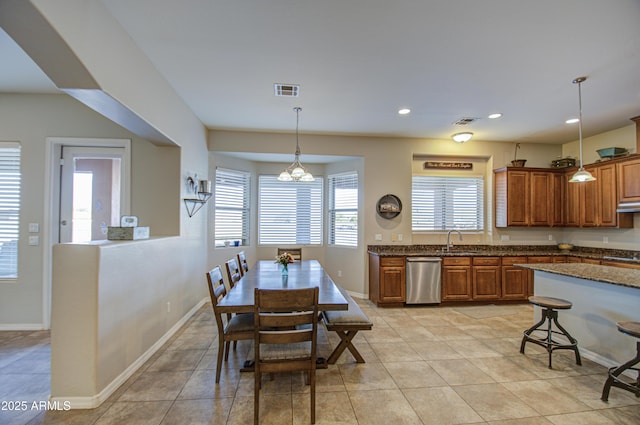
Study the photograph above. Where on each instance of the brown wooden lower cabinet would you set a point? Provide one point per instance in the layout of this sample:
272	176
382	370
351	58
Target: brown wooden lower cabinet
620	264
456	278
486	278
468	278
515	280
387	280
590	261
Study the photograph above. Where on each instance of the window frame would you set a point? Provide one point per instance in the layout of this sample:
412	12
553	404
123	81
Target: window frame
10	203
242	178
447	198
268	214
347	177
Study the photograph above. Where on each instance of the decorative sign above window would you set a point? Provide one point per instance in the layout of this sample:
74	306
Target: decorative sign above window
448	165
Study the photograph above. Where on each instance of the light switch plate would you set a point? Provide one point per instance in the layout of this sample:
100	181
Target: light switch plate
378	236
34	240
34	227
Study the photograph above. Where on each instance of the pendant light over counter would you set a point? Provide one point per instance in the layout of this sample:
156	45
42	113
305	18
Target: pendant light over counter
581	175
296	172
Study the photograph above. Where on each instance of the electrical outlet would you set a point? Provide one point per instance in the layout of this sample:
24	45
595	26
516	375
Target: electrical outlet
378	236
399	236
605	239
168	306
339	273
550	237
504	237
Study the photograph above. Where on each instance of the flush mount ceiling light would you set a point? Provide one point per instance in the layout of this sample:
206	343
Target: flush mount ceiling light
572	121
404	111
581	175
296	172
462	137
494	116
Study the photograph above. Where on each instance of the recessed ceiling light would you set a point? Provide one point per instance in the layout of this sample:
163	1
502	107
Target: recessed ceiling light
494	116
572	121
404	111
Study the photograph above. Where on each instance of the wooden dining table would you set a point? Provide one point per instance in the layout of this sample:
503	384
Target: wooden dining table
268	275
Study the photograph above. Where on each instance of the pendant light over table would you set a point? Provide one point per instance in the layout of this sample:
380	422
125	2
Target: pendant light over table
296	172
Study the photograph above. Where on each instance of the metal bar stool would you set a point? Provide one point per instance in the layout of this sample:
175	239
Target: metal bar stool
549	314
633	329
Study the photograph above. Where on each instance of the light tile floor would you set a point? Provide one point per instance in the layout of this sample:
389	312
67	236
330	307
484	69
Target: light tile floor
424	365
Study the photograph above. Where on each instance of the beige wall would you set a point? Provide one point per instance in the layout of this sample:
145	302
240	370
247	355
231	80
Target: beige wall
30	119
385	166
100	66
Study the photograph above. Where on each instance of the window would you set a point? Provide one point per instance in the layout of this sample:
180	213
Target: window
343	209
9	209
231	207
289	213
441	203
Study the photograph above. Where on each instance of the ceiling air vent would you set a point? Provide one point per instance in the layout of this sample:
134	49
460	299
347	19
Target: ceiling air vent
286	90
465	121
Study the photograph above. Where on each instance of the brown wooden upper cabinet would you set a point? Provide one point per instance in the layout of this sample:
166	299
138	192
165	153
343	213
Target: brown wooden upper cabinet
544	196
598	201
528	197
629	181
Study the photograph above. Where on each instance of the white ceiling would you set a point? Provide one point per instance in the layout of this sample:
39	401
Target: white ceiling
359	61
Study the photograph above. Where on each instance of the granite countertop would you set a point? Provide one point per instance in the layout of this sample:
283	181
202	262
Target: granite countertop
606	274
500	251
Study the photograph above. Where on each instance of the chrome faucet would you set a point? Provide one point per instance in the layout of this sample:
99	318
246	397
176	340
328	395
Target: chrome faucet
449	244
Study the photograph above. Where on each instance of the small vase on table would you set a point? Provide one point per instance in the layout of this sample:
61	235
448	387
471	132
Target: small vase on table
285	270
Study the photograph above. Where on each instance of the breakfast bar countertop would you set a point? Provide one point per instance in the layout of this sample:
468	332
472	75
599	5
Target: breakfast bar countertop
607	274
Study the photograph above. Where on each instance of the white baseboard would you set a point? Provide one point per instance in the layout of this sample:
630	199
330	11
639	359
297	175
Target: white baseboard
22	327
96	400
358	295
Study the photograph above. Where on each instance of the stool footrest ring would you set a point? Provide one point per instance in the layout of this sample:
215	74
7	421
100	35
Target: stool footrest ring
550	316
614	377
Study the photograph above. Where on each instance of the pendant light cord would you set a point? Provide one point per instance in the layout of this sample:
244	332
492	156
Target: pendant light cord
579	80
297	109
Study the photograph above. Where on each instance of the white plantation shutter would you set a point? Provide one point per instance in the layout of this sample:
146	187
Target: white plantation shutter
289	212
442	203
232	190
9	208
343	209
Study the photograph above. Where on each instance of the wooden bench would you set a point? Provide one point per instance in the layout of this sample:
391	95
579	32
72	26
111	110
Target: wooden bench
346	324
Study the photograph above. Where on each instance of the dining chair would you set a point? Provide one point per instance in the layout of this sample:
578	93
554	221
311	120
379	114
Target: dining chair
233	271
296	253
238	327
285	327
242	262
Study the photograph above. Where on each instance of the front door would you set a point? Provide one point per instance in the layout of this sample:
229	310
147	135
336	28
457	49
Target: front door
91	181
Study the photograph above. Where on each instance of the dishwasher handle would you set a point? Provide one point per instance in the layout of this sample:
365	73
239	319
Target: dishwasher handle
424	260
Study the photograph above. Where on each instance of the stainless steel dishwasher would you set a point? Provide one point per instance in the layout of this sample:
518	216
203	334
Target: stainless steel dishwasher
423	280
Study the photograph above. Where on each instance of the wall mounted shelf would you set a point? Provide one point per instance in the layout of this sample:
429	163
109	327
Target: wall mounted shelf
389	206
202	190
194	205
